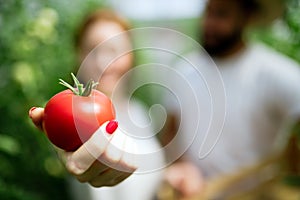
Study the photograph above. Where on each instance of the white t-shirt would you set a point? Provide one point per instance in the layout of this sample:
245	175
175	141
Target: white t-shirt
262	96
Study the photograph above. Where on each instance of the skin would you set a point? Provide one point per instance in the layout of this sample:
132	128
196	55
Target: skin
96	34
223	25
82	164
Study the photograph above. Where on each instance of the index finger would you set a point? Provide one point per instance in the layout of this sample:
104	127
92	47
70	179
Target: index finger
79	161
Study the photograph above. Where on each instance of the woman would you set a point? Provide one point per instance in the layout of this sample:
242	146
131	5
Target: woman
108	63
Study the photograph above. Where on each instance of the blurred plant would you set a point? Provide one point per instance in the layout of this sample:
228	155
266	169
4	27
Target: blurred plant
283	34
36	45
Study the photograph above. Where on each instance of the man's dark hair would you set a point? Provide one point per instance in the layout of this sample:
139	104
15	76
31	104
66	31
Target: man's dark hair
249	6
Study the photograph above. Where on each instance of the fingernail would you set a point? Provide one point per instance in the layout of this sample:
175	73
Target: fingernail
30	111
111	127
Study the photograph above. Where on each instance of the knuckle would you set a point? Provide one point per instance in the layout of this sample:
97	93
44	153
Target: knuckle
96	184
81	180
94	148
109	158
73	168
111	183
128	167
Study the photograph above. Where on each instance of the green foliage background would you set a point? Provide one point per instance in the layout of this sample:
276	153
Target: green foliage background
36	49
283	35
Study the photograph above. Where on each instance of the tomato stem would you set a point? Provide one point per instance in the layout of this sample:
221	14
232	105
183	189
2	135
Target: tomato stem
79	88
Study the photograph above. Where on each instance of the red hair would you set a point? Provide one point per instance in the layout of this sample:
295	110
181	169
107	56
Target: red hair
98	16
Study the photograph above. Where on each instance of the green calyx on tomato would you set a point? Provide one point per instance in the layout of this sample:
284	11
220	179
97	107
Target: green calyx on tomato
79	89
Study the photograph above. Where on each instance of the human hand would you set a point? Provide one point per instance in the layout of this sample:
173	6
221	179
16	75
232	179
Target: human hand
98	161
185	179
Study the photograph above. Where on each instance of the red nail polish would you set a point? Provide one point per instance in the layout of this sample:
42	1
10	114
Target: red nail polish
31	110
111	127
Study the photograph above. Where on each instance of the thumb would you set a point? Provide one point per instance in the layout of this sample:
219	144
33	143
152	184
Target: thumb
36	114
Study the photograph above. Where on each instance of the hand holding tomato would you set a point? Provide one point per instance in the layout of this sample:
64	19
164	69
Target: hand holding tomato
95	158
73	115
186	179
83	163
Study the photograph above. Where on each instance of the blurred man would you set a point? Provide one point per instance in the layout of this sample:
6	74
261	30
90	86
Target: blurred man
262	97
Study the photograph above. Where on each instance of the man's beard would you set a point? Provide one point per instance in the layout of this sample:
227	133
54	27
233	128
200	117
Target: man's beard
222	45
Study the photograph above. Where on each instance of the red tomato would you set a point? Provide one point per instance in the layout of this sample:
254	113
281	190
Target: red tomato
70	119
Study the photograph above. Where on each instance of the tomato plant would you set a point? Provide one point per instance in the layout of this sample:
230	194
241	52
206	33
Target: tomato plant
73	115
